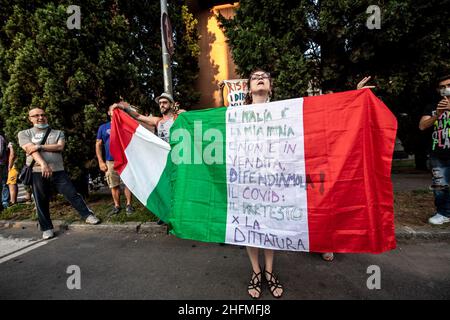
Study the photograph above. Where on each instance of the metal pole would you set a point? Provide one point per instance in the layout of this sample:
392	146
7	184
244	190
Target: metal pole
167	71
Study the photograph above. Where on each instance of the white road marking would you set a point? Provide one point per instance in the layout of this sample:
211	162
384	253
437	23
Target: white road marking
12	248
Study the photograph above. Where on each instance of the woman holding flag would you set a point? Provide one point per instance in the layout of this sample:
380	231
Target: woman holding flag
260	86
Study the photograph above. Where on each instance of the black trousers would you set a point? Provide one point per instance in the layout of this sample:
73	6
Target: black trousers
42	190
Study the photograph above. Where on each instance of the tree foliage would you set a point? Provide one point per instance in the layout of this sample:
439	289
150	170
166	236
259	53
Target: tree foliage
327	43
75	74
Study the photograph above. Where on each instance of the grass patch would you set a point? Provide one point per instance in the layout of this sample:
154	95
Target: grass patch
19	212
422	192
406	163
100	203
413	208
407	166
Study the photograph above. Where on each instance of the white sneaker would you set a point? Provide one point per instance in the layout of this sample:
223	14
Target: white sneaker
438	219
47	234
92	219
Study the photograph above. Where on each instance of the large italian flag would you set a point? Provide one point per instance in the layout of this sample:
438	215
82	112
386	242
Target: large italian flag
307	174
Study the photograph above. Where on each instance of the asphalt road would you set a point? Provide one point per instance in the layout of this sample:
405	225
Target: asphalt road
145	266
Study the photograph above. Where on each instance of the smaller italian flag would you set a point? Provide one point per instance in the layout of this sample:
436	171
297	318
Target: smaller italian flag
306	174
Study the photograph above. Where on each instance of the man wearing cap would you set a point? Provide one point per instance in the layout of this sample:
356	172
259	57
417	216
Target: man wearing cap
162	125
169	113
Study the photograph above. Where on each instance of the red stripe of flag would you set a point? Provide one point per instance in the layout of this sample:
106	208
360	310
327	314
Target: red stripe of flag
349	141
123	128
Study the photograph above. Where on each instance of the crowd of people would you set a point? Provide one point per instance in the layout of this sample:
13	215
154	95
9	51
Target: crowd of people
44	146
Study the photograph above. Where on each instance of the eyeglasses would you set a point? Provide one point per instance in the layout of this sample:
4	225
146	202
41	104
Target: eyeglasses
38	115
263	76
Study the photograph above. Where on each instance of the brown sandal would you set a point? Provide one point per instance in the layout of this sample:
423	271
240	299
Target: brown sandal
273	284
255	284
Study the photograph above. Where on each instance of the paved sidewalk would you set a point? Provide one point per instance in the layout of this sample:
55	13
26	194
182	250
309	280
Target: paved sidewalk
411	181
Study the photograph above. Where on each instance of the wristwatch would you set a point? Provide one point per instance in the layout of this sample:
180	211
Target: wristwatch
39	148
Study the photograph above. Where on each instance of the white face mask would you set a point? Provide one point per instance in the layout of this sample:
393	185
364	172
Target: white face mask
445	92
41	125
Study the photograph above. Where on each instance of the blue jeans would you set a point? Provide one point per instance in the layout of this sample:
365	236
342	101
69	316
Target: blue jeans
4	186
42	190
441	178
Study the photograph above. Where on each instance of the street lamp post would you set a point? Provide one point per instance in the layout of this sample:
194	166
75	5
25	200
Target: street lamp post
165	38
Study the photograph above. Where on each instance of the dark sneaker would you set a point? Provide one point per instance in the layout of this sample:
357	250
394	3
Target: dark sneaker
115	210
130	209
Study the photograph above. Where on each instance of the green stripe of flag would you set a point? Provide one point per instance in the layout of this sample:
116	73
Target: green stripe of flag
199	202
159	200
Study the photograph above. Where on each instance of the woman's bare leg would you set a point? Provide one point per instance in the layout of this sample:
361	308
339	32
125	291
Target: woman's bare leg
268	259
253	254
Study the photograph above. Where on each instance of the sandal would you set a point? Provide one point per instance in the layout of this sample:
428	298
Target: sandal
273	284
255	284
328	256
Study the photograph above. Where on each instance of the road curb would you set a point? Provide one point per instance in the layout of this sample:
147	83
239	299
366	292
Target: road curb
426	233
401	232
135	227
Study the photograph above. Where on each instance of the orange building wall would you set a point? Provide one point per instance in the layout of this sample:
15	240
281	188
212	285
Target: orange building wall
215	59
